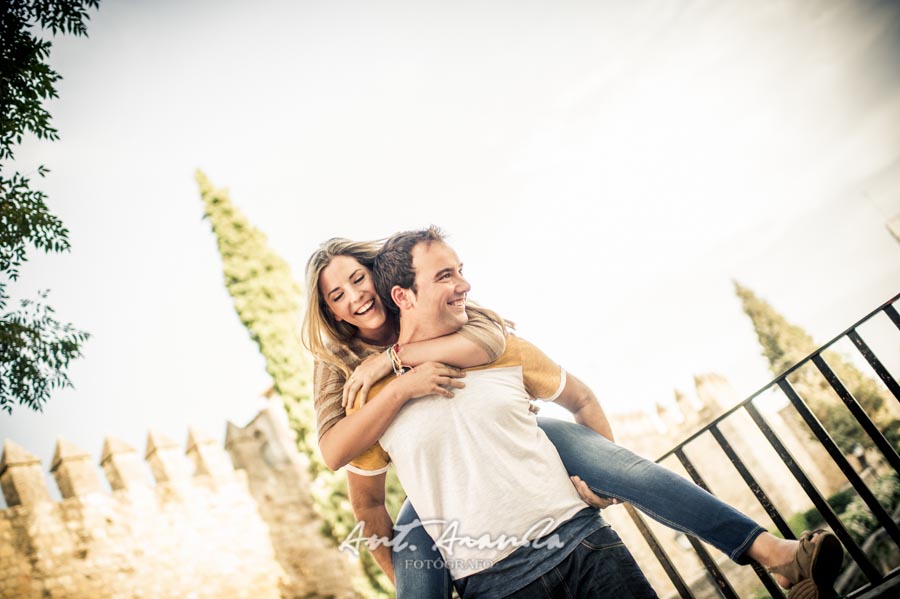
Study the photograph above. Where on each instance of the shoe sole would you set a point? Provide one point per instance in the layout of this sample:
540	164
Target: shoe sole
827	560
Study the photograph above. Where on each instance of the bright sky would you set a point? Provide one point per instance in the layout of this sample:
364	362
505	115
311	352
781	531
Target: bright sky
604	170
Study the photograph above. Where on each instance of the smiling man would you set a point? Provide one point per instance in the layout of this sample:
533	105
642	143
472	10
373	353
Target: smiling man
488	485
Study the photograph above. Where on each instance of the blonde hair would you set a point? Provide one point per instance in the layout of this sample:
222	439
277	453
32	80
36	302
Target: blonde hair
319	322
507	327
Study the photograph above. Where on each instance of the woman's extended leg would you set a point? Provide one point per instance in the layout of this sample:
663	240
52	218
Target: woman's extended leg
614	471
419	571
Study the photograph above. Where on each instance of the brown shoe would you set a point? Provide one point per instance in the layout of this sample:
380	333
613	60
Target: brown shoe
815	566
806	589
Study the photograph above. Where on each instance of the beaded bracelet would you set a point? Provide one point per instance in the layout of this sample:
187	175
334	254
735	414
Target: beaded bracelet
396	363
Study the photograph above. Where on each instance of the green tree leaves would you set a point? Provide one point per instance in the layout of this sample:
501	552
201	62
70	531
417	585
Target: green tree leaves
35	348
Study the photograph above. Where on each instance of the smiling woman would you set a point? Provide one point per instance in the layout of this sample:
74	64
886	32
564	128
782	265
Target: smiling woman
350	294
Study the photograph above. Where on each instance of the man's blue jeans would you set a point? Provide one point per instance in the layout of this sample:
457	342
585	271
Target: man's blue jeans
601	566
609	470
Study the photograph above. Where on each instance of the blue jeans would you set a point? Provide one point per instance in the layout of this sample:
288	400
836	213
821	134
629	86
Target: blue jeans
609	470
601	566
419	571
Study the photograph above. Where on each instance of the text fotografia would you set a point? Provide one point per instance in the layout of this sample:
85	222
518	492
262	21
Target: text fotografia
535	537
440	564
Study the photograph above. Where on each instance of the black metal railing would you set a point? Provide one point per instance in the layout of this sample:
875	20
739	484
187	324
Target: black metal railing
875	579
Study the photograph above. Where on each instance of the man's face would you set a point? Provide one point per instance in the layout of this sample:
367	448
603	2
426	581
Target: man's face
440	296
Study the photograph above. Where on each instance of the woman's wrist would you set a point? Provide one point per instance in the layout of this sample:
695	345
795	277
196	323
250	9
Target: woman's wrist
389	357
376	366
385	364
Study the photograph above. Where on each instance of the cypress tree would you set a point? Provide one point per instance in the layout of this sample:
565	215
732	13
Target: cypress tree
269	302
785	344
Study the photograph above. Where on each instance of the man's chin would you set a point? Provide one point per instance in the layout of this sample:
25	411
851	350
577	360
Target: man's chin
455	323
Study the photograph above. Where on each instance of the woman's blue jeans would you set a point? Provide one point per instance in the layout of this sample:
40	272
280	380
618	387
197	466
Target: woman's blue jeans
611	471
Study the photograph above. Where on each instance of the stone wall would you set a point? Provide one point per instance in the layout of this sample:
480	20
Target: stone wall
202	530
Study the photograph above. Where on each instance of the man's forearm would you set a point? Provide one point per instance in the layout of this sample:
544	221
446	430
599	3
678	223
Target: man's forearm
378	522
581	401
592	416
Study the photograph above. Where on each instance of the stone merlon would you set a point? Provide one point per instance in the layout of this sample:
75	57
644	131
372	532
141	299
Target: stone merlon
122	466
208	458
73	470
21	477
165	459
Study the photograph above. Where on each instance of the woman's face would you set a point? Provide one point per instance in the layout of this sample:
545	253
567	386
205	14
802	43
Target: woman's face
350	294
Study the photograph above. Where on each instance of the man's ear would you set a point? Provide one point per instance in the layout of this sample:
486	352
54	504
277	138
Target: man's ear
404	298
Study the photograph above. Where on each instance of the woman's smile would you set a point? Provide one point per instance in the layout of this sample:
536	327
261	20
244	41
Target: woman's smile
349	293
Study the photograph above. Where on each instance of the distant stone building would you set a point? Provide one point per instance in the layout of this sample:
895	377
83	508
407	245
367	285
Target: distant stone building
204	530
652	434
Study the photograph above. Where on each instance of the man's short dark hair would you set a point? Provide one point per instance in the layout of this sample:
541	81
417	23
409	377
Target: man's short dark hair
393	264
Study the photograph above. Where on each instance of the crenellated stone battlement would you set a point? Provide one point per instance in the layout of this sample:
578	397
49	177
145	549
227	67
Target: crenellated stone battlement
201	462
194	520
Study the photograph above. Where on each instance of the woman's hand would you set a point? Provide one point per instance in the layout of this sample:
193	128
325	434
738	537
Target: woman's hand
370	371
589	497
430	378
